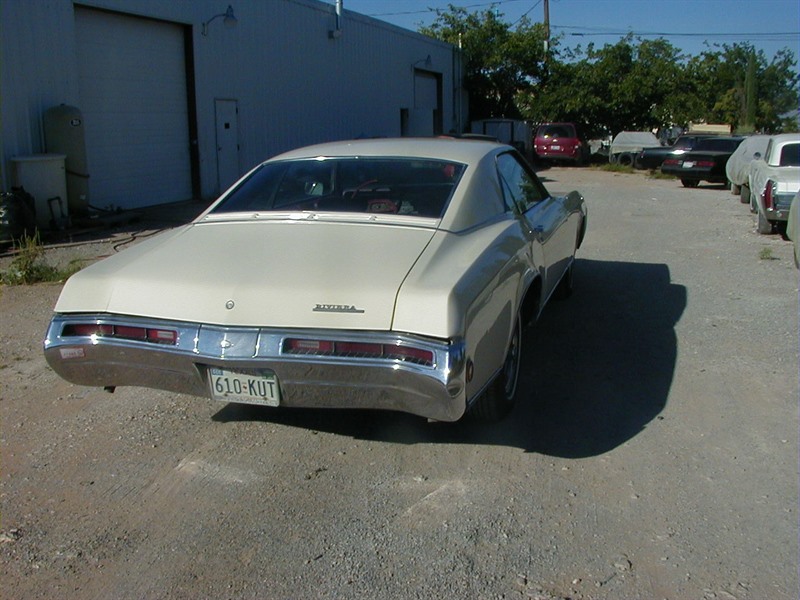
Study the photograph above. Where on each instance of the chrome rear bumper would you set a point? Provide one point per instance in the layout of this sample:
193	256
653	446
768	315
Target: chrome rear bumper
436	392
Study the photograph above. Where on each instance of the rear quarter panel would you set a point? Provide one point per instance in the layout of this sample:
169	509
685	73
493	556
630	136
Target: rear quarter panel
469	285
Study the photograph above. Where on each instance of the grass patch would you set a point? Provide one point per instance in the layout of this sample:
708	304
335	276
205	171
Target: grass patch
657	174
615	168
766	254
29	265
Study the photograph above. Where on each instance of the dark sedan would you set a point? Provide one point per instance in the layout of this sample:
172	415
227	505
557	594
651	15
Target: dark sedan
705	162
652	158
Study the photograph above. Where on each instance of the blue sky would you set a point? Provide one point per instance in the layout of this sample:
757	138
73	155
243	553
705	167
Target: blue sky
769	25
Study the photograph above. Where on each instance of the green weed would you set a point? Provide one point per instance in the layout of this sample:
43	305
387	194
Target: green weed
615	168
29	265
766	254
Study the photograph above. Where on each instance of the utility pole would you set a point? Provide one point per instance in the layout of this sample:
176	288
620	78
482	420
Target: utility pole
546	26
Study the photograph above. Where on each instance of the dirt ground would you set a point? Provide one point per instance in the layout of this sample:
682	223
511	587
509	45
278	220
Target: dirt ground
653	452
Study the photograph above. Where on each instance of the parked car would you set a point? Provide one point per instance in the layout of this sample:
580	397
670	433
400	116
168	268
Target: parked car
626	145
705	162
738	166
773	180
793	227
652	157
383	274
560	142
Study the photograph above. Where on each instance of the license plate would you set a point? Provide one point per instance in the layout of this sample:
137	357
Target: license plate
554	147
688	164
249	386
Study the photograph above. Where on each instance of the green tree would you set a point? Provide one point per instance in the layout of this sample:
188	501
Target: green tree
727	79
632	84
499	62
750	94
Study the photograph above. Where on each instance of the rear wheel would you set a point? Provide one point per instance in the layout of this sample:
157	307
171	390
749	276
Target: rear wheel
690	183
764	226
625	159
744	194
498	399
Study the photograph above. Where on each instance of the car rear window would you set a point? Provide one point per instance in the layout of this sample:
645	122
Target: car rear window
404	186
790	155
556	131
718	144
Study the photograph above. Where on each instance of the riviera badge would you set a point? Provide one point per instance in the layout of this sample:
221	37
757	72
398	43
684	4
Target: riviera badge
337	308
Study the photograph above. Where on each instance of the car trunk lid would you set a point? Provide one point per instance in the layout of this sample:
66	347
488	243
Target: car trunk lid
259	273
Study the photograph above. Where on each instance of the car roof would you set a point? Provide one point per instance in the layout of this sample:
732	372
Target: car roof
786	137
478	197
467	151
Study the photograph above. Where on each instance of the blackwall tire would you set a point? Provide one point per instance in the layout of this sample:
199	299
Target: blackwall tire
498	399
764	225
744	194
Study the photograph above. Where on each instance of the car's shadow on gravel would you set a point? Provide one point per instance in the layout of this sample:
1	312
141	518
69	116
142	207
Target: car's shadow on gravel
596	370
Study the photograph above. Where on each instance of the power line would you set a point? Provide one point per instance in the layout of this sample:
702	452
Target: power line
431	10
604	31
782	36
576	31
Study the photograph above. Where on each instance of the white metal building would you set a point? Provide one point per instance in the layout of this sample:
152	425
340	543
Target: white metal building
178	100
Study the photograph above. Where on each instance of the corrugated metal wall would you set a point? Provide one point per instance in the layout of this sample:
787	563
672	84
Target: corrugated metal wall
294	84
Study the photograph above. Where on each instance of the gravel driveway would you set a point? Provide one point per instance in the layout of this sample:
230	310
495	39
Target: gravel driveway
653	453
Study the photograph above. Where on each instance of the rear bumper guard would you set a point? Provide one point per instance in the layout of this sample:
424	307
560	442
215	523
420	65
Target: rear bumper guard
436	391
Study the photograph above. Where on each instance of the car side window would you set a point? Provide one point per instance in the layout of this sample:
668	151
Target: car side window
790	155
520	187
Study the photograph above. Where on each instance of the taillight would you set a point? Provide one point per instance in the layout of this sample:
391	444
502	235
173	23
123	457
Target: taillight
123	332
358	349
672	161
417	355
87	330
704	163
348	349
308	347
162	336
130	333
769	195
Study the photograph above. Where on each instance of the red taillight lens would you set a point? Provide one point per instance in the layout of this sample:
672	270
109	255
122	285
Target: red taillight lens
162	336
769	195
308	347
359	350
417	355
88	330
125	332
704	163
672	161
130	333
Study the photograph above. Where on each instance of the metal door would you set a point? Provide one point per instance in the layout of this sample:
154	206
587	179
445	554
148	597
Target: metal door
227	123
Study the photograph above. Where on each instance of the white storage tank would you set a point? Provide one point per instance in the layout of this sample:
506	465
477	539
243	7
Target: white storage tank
64	134
44	177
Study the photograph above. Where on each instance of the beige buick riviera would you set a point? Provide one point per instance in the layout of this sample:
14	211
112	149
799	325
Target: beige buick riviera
382	274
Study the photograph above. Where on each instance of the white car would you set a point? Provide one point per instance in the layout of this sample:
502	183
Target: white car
793	228
774	179
384	274
738	166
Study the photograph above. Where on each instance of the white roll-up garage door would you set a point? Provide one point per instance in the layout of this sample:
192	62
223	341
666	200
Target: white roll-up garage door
132	80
